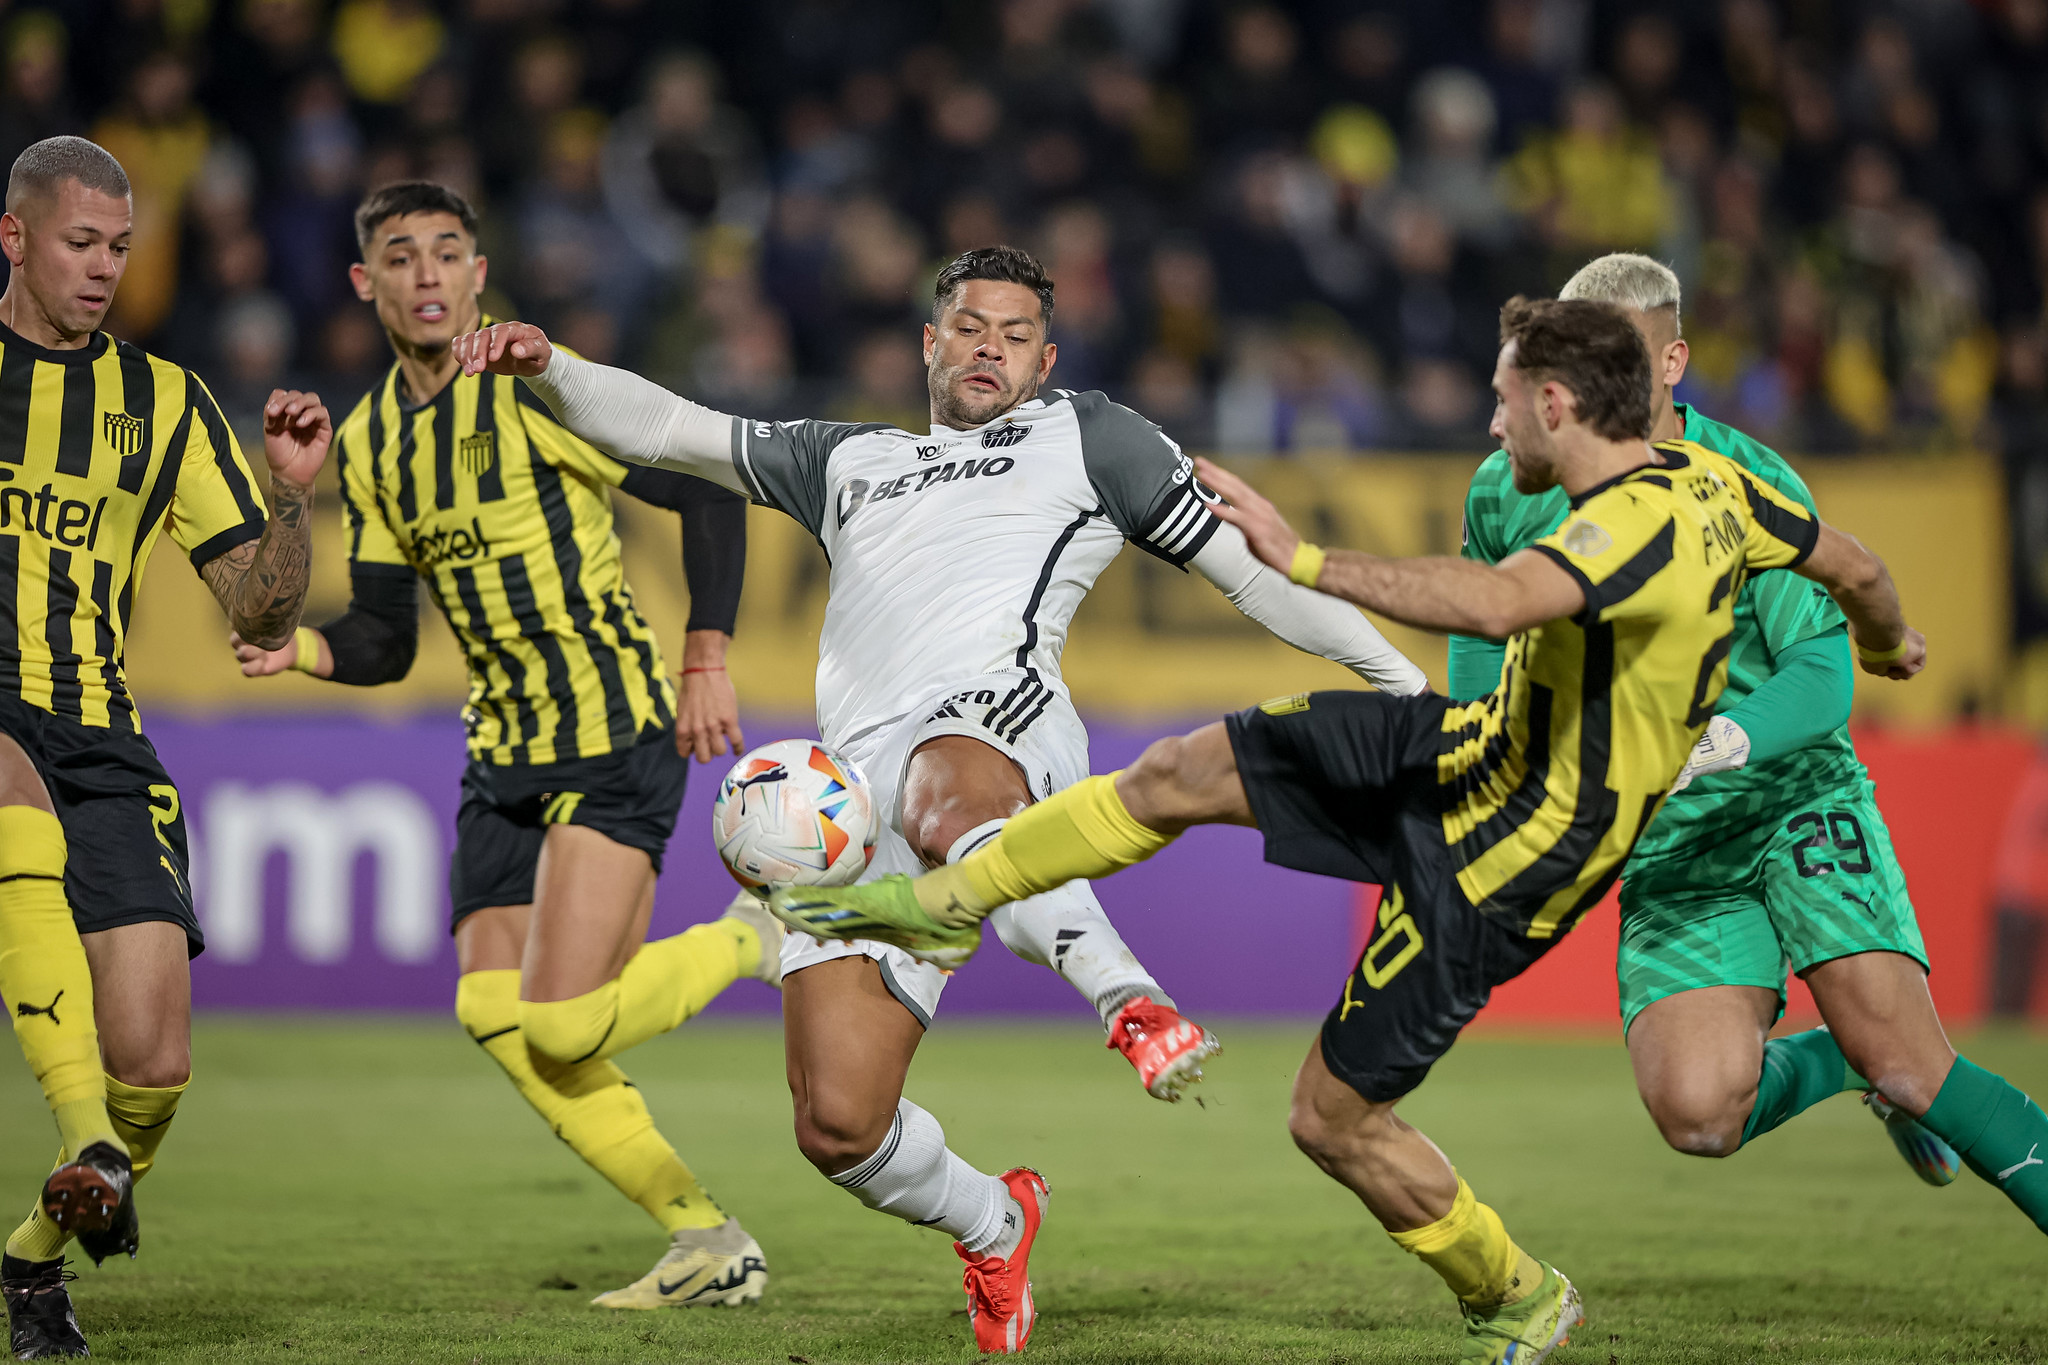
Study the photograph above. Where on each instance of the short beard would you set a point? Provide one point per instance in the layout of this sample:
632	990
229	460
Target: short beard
951	411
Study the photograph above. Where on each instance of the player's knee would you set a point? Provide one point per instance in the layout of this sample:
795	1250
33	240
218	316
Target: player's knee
1699	1121
836	1136
1332	1139
569	1030
1168	782
160	1068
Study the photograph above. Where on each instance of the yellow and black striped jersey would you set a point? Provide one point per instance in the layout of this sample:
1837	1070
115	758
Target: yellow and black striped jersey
1550	780
508	518
101	448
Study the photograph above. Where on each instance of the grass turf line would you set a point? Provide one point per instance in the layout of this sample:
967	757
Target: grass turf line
341	1190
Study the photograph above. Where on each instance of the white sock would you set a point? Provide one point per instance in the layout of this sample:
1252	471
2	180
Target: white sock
1065	929
915	1177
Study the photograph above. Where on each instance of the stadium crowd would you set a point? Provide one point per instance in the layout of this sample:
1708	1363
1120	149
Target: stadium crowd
1272	227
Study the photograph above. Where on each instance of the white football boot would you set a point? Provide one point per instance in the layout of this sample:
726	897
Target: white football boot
750	910
720	1266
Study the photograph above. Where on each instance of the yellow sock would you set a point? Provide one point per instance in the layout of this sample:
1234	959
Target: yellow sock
1471	1249
591	1106
1084	831
37	1239
45	980
142	1116
667	981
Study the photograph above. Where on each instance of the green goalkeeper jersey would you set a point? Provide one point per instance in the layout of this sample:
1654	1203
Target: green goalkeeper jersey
1775	612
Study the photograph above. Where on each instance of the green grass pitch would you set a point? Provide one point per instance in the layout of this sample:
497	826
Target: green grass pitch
350	1191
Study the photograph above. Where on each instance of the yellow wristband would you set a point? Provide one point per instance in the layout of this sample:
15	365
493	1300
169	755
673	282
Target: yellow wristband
1883	656
308	641
1308	564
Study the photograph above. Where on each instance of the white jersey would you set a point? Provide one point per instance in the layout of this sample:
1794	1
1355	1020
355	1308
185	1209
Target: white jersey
963	553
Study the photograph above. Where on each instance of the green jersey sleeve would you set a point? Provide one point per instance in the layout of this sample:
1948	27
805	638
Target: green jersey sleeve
1498	522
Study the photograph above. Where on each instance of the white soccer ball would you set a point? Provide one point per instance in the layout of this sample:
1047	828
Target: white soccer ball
793	813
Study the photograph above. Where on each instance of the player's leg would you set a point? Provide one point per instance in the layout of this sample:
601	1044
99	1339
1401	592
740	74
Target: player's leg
848	1039
587	993
1878	1008
958	793
1697	1057
601	1116
1425	972
44	975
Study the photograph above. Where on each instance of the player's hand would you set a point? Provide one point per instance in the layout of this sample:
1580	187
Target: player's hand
258	662
1723	746
707	708
504	348
1268	533
1906	665
296	434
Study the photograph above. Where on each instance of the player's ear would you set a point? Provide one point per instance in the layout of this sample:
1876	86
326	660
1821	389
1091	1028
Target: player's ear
359	276
1676	356
931	341
13	233
1046	359
483	269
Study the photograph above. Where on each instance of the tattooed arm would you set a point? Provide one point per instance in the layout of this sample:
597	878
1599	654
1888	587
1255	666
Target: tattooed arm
261	584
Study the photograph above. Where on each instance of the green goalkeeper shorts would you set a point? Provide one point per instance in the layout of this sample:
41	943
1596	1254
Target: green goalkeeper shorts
1805	889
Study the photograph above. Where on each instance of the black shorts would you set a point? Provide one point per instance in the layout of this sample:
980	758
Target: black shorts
630	797
1344	784
124	826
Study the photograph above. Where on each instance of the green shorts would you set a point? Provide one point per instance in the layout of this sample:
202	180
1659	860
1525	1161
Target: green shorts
1804	889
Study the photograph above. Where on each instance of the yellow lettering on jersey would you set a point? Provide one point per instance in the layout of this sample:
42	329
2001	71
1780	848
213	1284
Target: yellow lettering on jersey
164	815
1285	706
561	808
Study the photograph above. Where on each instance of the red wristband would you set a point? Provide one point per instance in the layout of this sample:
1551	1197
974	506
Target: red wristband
704	670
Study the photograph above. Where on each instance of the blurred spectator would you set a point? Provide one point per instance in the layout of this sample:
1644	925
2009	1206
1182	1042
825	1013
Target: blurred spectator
255	345
887	383
1087	321
547	81
1259	96
160	138
309	218
680	159
35	103
1259	264
1185	324
384	46
1314	390
878	260
1524	93
573	254
1451	167
1431	309
1441	405
1597	184
1646	64
1367	66
1168	390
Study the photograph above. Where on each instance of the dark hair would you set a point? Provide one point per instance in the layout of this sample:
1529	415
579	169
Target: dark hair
45	165
1593	350
1010	264
403	198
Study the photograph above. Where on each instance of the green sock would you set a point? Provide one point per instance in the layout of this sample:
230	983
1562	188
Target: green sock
1799	1072
2000	1134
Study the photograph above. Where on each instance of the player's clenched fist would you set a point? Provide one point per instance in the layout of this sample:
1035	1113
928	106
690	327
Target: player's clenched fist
1911	659
296	434
505	348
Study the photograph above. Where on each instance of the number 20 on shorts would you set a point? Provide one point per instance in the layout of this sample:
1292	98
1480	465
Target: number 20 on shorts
1394	947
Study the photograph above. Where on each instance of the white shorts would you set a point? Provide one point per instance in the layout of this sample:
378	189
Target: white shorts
1017	713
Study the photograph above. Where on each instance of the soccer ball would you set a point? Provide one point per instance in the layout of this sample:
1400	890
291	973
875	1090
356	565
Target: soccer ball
793	813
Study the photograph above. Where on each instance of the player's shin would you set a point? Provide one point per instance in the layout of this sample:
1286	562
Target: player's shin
591	1106
1470	1248
2000	1133
667	982
1799	1071
1065	929
914	1176
45	980
1083	832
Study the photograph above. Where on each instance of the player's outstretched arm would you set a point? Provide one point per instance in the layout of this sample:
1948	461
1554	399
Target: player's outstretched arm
1435	593
1863	588
613	409
261	584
